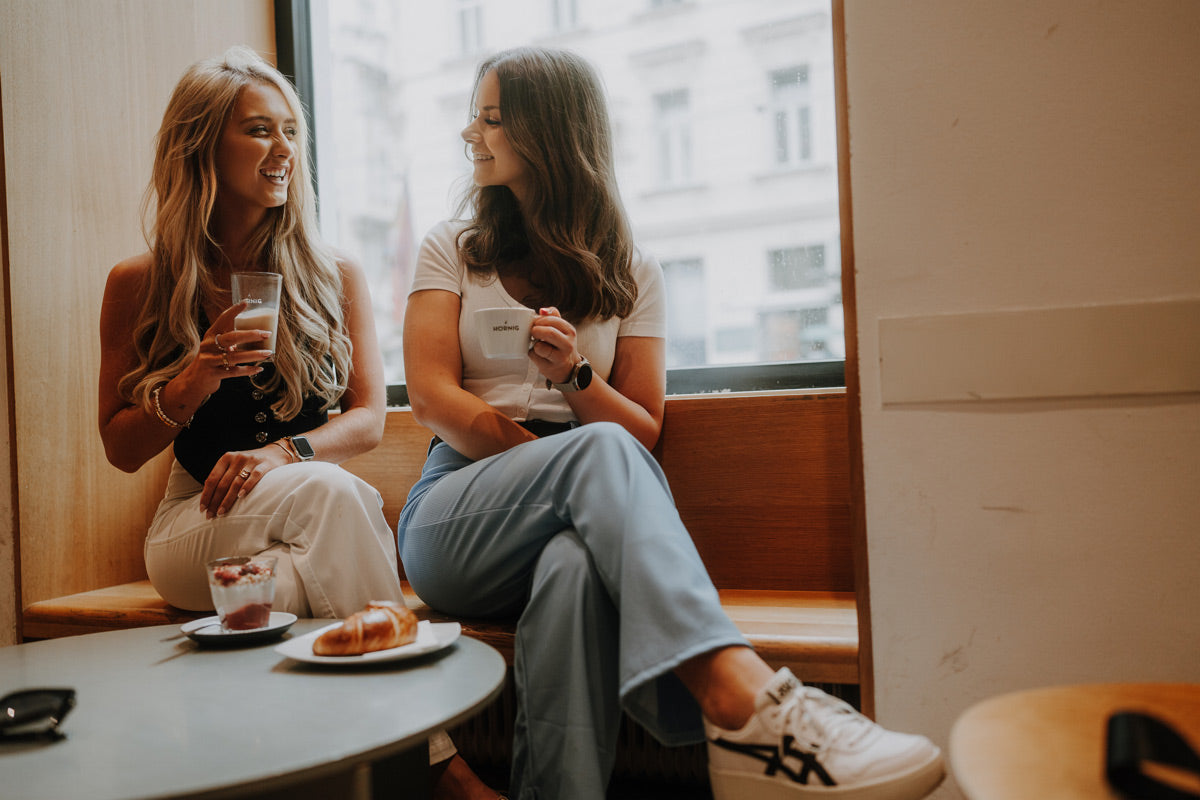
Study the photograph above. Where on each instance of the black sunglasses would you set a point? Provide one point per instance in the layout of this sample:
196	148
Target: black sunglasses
34	713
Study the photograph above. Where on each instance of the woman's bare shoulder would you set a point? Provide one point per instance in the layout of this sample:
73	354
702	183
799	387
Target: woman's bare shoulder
345	261
354	276
125	290
131	272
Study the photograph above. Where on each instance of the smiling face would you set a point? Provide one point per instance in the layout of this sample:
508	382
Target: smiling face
496	163
256	153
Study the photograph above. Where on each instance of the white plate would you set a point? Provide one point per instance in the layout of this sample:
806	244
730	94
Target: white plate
431	636
208	630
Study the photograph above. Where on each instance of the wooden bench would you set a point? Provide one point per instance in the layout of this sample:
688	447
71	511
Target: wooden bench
813	633
760	480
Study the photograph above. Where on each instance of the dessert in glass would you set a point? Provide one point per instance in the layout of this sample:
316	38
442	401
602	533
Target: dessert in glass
243	588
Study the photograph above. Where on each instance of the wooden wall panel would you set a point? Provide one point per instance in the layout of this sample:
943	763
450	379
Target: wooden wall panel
84	86
761	481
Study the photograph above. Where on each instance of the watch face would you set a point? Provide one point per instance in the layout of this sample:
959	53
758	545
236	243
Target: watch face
303	448
583	377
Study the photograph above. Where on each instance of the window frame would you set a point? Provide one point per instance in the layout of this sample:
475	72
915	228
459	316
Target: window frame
294	58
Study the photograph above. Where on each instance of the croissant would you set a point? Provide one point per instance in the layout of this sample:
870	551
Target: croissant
381	625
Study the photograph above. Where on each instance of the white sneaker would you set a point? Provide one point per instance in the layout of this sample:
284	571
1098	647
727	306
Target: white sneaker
802	743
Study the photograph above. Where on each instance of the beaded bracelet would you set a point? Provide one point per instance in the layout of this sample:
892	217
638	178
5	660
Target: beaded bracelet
170	423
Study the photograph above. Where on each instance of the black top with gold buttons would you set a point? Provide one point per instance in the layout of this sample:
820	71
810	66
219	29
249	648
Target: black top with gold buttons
238	416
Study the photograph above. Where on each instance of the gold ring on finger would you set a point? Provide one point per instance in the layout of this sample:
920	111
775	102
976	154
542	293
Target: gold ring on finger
225	362
244	474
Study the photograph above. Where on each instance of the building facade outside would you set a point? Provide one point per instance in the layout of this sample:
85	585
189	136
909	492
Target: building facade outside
724	124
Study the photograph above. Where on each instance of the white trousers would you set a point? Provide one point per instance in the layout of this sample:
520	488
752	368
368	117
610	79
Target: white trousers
325	526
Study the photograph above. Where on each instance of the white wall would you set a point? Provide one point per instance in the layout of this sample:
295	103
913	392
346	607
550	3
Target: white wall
1008	156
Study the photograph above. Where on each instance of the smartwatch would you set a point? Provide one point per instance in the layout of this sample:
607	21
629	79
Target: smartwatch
580	378
303	449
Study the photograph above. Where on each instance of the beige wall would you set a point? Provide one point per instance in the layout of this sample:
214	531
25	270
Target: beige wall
1013	156
8	495
84	85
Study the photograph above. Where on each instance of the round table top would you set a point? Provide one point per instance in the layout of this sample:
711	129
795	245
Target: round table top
1051	742
158	715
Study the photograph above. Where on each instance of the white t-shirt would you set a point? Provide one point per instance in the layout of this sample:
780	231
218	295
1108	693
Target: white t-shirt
514	386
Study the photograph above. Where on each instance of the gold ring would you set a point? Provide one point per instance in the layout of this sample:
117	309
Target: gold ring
217	342
244	474
225	361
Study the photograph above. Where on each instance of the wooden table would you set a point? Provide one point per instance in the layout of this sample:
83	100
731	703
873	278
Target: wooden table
1050	743
160	716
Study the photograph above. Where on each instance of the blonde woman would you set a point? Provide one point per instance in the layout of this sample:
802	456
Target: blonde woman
254	445
255	448
539	496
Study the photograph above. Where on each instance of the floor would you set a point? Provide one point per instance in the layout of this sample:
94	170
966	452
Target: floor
625	788
681	773
652	791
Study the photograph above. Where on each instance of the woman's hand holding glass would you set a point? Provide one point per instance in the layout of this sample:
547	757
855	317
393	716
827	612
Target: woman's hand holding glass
228	353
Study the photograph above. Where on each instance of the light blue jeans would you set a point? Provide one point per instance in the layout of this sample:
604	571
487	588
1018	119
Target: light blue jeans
578	533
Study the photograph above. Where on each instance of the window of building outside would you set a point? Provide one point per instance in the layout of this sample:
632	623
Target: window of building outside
470	26
687	325
674	135
724	129
563	15
791	108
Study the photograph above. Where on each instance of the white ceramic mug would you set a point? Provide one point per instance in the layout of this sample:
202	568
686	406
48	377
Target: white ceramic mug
504	332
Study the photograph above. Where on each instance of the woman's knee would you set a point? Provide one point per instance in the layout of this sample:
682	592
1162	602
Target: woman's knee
320	478
606	442
606	432
608	448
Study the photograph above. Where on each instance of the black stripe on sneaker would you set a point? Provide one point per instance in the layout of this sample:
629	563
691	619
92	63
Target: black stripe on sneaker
774	757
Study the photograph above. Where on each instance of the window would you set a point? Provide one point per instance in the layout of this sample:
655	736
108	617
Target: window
795	334
673	135
687	324
708	102
797	268
803	317
470	26
564	15
792	114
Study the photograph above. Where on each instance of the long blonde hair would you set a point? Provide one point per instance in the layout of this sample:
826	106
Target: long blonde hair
313	352
573	229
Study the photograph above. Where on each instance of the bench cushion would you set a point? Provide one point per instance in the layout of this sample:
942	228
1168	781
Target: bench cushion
128	605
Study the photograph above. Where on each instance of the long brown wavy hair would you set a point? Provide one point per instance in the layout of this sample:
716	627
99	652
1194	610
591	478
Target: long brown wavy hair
313	352
573	232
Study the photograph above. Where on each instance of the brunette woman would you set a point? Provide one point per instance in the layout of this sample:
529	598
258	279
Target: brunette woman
539	496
